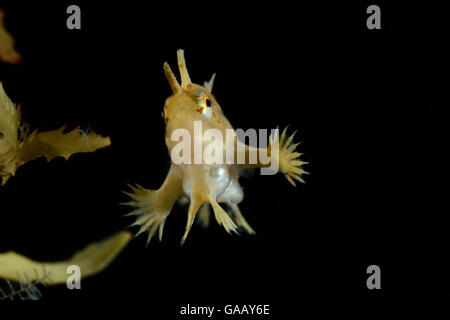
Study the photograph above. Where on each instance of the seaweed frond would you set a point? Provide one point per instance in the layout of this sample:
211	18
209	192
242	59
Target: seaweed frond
25	289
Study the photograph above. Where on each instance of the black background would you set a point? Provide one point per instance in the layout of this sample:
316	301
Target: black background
371	107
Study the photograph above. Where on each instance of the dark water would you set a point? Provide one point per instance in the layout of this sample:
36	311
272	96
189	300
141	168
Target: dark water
371	107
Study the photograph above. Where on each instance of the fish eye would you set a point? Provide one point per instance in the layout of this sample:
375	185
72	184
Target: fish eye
208	103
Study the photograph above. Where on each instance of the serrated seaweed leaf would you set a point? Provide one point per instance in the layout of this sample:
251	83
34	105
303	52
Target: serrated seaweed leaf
56	143
17	147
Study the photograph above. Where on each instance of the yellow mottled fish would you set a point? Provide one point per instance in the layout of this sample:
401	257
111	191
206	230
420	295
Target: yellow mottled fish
204	184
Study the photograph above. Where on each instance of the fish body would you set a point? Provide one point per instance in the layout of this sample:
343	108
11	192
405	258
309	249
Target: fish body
194	122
